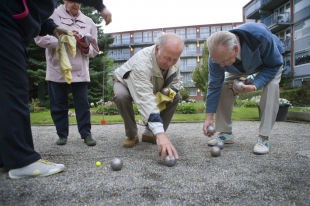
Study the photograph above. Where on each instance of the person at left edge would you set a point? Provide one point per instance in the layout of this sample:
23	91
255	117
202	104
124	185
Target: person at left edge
70	17
20	22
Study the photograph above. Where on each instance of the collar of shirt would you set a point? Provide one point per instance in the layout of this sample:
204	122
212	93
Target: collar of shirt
239	50
73	17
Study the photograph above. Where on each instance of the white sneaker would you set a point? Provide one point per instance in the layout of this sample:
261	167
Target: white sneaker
262	145
227	138
38	168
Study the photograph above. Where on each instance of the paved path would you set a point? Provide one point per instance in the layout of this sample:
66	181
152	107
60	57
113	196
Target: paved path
236	177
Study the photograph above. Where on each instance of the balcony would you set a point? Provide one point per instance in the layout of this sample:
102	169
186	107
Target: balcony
286	45
277	21
253	10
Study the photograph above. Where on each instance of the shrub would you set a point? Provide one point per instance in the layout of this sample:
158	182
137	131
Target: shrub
109	108
34	106
185	108
106	108
200	108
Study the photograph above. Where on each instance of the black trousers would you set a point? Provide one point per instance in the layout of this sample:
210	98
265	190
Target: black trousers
58	94
16	143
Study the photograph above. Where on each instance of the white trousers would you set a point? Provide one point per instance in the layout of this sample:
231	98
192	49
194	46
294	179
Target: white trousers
269	104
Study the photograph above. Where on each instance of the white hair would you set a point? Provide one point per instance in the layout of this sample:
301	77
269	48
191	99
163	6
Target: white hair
221	38
162	39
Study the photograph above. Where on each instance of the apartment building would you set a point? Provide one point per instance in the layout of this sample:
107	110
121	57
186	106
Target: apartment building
127	43
290	21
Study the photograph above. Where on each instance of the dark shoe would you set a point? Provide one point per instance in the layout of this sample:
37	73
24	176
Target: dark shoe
130	142
149	139
61	141
89	141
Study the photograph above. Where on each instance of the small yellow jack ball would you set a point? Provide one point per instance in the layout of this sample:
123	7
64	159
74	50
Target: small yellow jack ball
98	164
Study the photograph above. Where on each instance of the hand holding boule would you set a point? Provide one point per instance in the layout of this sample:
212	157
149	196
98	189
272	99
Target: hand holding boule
238	85
211	129
165	91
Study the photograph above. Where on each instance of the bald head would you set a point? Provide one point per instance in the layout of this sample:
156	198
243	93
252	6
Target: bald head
171	40
169	48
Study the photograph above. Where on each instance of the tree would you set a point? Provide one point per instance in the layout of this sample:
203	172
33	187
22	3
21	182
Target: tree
200	75
98	67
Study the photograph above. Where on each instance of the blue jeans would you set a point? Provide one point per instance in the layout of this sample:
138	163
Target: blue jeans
58	94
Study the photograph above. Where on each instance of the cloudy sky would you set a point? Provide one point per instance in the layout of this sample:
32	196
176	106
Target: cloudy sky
146	14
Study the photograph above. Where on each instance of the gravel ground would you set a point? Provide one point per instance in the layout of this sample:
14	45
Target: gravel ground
237	177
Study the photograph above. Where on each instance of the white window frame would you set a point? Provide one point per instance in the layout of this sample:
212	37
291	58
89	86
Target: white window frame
137	37
126	38
191	33
147	36
181	33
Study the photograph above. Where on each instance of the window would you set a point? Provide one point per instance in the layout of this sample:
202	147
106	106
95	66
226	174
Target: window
182	65
190	49
300	4
137	49
147	36
287	64
181	33
302	57
204	32
302	29
187	80
170	31
191	62
125	39
191	33
125	54
215	29
110	53
192	91
155	33
137	37
117	39
117	53
226	28
187	64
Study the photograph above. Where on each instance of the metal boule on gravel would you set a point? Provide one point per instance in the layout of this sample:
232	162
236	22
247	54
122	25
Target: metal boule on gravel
116	164
211	129
220	144
170	163
215	151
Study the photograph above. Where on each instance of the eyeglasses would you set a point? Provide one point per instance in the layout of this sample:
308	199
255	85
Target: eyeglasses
228	60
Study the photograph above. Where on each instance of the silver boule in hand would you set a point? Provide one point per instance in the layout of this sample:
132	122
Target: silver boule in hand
211	129
165	91
238	85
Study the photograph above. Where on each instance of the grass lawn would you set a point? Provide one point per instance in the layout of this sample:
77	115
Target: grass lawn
238	114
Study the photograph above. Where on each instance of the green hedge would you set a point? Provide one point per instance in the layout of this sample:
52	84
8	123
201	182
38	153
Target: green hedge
299	97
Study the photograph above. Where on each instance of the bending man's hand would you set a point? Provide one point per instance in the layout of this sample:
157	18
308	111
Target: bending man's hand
246	88
106	15
165	147
208	121
59	31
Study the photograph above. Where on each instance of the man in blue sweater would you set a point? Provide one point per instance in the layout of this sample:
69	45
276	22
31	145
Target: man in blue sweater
248	49
20	22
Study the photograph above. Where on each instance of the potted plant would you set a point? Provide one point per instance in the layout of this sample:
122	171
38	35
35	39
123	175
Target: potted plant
284	104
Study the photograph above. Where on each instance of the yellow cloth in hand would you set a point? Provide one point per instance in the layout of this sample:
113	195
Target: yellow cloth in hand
61	53
162	99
